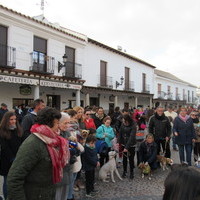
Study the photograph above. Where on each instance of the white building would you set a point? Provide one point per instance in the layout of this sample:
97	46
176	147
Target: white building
30	52
114	78
170	90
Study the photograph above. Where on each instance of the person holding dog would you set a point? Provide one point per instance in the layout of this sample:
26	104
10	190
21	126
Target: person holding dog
127	138
105	132
160	127
148	152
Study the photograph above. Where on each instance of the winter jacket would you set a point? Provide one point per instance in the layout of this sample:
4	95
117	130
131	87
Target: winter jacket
118	123
90	159
27	123
160	126
127	135
2	112
185	130
109	134
147	155
98	121
30	176
9	148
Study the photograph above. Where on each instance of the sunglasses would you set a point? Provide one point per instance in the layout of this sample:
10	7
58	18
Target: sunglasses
87	114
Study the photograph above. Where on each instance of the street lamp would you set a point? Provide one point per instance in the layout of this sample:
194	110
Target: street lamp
60	65
120	83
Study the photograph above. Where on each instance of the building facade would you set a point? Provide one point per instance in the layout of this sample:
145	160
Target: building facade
170	90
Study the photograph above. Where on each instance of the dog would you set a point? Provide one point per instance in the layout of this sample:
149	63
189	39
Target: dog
164	162
109	168
84	134
145	170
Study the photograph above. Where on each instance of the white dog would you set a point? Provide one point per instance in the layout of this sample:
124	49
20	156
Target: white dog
109	168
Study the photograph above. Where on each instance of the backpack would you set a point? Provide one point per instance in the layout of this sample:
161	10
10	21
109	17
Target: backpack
101	147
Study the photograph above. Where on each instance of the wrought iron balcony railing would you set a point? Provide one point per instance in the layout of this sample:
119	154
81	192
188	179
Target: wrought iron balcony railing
161	95
73	70
146	88
42	63
170	96
105	81
7	56
129	86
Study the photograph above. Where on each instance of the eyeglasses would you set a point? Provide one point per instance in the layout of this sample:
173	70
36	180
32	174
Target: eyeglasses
87	114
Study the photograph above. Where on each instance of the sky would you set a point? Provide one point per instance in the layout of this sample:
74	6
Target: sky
164	33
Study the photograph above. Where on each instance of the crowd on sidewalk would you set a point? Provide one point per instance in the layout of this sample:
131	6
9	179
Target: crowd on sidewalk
49	154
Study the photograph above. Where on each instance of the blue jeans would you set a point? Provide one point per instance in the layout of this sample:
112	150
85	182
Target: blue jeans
5	187
188	149
71	187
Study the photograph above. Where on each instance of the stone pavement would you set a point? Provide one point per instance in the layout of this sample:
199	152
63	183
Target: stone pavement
136	189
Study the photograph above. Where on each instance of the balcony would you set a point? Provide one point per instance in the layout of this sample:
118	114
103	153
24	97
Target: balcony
161	95
146	88
73	70
41	63
184	97
129	86
7	56
170	96
105	82
178	97
190	99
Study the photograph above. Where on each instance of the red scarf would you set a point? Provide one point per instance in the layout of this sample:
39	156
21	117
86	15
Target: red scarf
57	146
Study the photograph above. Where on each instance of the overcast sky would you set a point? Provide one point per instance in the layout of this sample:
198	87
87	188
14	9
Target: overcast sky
165	33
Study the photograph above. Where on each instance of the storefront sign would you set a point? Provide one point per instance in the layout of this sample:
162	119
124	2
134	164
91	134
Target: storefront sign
16	79
25	90
59	85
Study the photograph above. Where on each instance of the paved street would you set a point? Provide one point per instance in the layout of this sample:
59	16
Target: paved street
137	189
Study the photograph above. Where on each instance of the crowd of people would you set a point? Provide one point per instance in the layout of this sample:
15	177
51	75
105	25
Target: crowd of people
44	152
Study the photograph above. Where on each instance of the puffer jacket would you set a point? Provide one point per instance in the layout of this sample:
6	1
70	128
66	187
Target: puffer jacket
30	176
185	130
160	126
127	135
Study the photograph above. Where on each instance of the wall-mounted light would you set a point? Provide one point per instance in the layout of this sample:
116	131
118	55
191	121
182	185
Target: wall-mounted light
60	65
120	83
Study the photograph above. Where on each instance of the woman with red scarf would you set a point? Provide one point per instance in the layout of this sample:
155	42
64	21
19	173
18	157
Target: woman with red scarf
40	160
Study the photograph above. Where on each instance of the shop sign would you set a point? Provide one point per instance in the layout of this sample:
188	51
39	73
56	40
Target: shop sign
59	85
25	90
16	79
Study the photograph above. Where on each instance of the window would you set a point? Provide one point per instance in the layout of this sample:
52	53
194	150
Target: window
144	81
3	46
169	89
127	77
159	87
70	69
103	73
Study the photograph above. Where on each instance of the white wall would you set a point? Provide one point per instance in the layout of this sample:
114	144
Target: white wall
115	68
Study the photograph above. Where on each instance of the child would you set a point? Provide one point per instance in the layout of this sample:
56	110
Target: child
148	152
90	162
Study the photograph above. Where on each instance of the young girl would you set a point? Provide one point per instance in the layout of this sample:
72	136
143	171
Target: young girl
148	152
10	140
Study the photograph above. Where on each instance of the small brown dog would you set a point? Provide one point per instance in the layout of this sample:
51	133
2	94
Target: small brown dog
145	170
84	135
164	161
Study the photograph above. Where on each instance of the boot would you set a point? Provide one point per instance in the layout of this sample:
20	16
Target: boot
131	175
124	174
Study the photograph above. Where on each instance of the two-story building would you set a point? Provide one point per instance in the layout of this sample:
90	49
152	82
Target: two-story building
115	78
33	63
171	90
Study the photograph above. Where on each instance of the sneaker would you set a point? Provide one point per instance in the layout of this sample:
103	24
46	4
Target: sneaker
76	188
95	191
124	174
90	195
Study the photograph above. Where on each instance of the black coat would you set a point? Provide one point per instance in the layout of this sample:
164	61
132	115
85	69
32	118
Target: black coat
160	126
2	112
147	155
9	148
27	123
98	122
127	135
185	130
89	159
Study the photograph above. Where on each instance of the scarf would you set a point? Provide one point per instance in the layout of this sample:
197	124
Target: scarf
57	147
184	118
162	117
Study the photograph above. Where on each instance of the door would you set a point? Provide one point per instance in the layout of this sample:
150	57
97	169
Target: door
3	46
144	82
53	101
127	78
94	101
70	68
103	73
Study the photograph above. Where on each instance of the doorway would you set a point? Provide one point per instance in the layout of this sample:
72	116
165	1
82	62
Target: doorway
53	101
